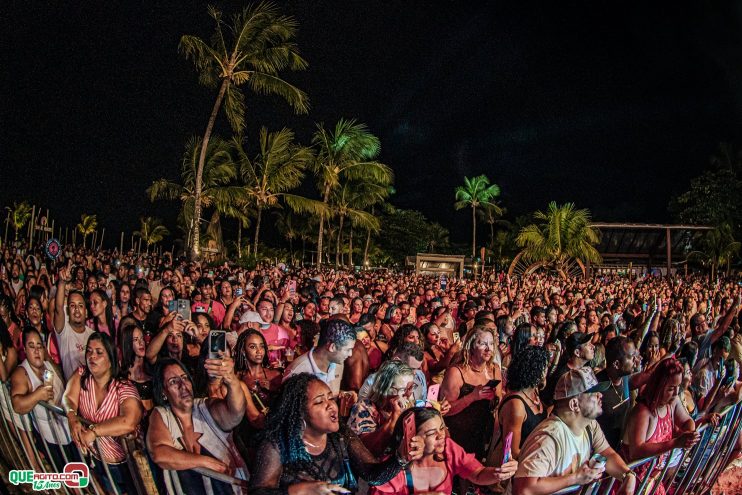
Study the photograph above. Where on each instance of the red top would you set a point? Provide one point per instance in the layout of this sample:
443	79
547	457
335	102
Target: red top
458	463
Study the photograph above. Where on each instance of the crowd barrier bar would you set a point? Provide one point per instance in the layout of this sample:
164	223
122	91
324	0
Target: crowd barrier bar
697	469
11	436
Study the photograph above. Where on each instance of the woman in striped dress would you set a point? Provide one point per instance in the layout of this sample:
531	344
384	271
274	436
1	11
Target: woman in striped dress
101	407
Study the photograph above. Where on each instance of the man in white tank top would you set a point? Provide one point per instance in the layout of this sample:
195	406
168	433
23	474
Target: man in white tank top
72	333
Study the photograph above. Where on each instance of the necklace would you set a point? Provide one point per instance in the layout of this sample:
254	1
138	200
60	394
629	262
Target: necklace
536	402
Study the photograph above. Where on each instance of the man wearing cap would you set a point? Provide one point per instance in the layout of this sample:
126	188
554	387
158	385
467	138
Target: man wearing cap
579	351
557	453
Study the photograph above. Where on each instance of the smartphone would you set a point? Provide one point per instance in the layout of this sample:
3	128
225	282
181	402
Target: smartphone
433	392
172	306
266	280
596	461
292	287
217	343
410	430
48	377
211	273
506	447
238	291
184	309
456	337
492	383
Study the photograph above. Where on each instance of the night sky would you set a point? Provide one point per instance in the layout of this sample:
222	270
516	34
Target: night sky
609	105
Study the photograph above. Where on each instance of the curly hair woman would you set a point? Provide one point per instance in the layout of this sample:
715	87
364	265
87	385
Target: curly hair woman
521	408
306	450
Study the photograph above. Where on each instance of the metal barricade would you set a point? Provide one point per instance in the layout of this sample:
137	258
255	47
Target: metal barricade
19	450
697	469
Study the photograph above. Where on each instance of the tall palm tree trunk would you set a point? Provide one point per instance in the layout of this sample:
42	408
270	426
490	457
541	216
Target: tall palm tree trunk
291	250
239	239
196	248
368	243
350	248
257	228
473	231
325	199
337	241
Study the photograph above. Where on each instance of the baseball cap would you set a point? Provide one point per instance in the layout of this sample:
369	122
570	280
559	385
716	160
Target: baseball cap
575	340
576	382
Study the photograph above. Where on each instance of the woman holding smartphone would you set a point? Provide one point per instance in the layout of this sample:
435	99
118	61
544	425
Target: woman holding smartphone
442	460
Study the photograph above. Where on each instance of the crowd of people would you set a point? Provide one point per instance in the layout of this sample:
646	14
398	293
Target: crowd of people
319	381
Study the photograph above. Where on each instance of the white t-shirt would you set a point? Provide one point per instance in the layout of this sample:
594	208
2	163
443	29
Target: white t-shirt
72	348
553	450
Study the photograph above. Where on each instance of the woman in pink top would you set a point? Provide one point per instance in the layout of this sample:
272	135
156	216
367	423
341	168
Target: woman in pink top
659	422
442	460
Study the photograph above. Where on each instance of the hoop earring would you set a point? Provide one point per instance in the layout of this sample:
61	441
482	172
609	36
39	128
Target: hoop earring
303	424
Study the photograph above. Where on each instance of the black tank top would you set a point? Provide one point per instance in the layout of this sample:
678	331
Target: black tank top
531	421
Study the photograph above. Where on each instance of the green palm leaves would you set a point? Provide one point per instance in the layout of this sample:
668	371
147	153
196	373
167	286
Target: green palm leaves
278	168
87	225
250	50
476	192
347	155
151	230
561	233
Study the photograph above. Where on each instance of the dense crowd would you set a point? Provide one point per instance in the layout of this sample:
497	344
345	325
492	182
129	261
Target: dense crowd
307	381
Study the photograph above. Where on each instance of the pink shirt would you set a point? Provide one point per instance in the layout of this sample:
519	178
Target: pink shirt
458	463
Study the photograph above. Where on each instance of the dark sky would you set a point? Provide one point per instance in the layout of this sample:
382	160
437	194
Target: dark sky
609	105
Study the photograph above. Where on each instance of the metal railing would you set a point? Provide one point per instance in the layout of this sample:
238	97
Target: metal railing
24	447
696	469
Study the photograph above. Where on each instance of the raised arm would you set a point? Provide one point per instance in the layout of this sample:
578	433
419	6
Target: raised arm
227	412
64	277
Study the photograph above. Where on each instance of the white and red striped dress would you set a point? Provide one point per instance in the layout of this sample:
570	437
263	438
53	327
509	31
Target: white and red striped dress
118	392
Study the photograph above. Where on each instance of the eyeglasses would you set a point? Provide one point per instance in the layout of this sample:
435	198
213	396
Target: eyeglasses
411	387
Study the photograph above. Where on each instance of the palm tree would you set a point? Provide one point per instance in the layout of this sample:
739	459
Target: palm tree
349	202
279	167
718	248
151	230
261	45
346	154
218	174
561	234
87	225
439	237
476	192
19	215
491	214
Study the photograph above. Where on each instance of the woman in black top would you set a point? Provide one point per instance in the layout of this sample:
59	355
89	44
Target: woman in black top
306	451
521	409
132	360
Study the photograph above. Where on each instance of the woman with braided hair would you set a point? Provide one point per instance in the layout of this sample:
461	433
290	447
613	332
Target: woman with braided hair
307	451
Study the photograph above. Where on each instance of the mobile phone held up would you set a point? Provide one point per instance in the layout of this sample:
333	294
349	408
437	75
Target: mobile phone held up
507	447
184	309
409	429
217	344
